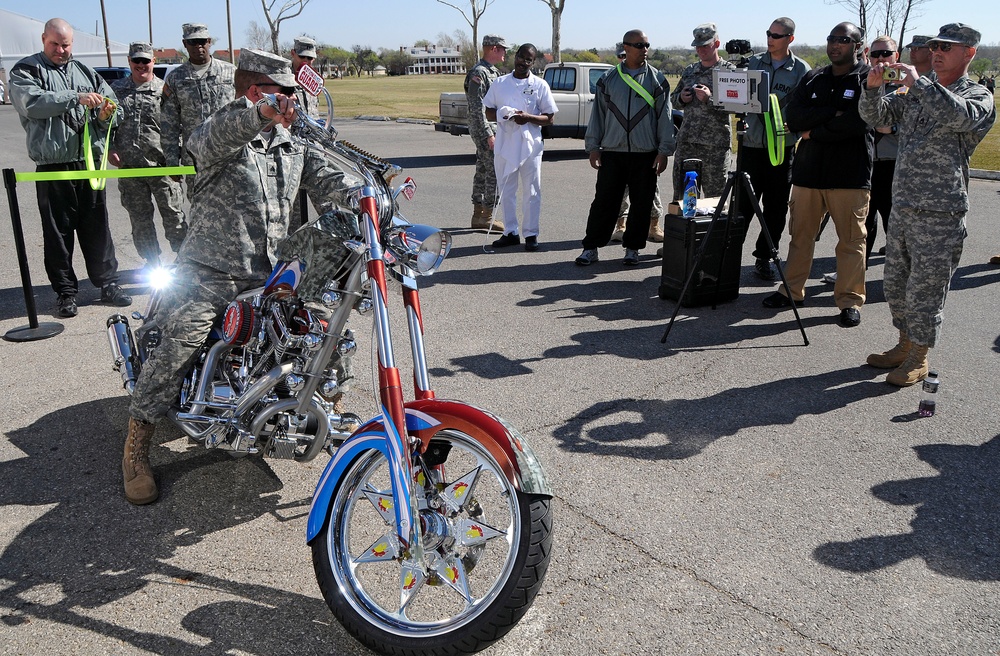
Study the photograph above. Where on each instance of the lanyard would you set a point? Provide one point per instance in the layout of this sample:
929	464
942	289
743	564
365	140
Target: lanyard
97	184
629	80
775	127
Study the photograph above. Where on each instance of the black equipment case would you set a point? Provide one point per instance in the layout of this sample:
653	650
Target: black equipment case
681	239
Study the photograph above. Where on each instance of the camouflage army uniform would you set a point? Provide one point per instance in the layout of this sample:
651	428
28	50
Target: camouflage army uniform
939	128
307	102
236	226
137	143
705	133
477	82
188	99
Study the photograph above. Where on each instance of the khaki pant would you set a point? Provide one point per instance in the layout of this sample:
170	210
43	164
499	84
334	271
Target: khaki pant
848	209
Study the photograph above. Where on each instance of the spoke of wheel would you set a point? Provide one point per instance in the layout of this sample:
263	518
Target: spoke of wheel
383	504
471	533
457	493
411	579
452	572
383	549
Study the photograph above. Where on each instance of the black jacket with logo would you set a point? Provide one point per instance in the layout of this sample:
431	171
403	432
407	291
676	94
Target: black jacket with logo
838	153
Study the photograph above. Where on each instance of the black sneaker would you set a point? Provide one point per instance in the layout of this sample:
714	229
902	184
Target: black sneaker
764	270
631	257
850	317
531	244
66	306
113	294
509	239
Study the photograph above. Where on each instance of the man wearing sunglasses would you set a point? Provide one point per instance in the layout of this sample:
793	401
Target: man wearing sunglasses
941	118
629	139
137	145
192	91
831	173
249	169
705	133
771	184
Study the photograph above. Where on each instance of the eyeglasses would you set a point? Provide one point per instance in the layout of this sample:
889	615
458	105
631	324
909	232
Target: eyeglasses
140	61
943	47
840	39
637	44
877	54
196	42
774	35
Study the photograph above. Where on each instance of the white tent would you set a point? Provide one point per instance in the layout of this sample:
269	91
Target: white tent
21	36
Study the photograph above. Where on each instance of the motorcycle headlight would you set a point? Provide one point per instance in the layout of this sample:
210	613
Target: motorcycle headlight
421	248
160	278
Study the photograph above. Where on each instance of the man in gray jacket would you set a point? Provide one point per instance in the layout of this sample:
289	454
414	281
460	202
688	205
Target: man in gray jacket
56	97
629	138
249	169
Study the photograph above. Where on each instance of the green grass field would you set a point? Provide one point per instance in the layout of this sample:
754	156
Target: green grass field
416	96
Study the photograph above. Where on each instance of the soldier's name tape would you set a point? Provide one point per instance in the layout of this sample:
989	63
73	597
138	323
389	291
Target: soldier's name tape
146	172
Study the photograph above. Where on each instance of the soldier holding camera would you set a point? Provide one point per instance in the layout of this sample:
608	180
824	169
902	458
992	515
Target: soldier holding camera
941	120
705	133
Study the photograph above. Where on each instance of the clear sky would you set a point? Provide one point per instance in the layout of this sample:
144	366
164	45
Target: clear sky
585	23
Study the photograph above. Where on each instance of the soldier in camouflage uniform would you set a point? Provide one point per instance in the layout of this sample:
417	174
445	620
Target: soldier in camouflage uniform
192	92
941	119
137	145
236	227
705	133
304	52
477	82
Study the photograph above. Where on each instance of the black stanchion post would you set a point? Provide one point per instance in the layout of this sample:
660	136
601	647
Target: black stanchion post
34	330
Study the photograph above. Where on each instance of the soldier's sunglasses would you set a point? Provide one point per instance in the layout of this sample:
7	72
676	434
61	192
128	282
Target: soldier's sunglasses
637	45
943	47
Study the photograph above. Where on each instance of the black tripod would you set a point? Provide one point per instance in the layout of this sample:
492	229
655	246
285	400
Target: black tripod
736	182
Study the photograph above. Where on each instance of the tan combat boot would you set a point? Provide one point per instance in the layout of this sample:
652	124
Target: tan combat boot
619	232
655	231
140	488
477	215
913	370
489	223
893	357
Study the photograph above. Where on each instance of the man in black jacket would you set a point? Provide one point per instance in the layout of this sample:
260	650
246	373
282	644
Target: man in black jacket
831	173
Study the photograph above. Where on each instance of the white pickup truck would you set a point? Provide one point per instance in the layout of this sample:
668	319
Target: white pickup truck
573	85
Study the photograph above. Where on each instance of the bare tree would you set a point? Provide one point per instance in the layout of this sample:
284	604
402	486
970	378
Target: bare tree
258	37
557	7
863	9
910	10
289	9
477	9
445	41
882	16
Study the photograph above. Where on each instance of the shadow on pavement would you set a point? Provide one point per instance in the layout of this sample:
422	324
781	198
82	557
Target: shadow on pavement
956	523
90	548
674	429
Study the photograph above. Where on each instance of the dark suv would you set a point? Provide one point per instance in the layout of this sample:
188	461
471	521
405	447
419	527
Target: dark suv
112	73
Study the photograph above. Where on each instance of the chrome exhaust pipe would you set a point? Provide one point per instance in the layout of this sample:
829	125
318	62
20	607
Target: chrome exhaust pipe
123	350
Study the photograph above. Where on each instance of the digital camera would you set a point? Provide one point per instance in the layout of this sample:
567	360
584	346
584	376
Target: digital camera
890	75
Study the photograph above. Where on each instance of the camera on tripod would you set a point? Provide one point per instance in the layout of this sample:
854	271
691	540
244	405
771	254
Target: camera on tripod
738	47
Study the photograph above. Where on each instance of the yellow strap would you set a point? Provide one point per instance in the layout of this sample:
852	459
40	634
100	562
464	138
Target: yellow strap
146	172
629	80
775	127
97	183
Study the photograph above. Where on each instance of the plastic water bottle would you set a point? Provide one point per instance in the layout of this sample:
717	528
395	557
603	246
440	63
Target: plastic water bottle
690	194
928	395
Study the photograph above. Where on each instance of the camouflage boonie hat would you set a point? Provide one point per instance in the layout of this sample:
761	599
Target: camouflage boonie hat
195	31
919	41
704	35
494	40
277	68
957	33
305	47
140	49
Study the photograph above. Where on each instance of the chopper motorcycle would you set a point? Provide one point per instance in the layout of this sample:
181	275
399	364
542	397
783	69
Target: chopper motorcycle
430	527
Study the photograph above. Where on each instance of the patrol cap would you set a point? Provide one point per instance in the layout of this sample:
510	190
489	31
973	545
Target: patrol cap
957	33
277	68
919	41
140	50
494	40
705	34
305	47
195	31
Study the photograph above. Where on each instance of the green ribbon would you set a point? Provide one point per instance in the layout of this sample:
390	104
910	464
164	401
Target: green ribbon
775	127
629	80
146	172
97	184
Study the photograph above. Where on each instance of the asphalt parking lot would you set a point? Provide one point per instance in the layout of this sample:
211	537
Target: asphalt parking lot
730	492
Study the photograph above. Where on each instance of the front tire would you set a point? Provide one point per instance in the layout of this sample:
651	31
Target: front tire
486	553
